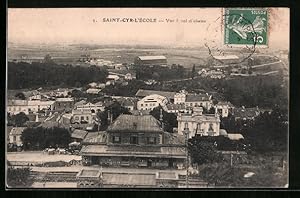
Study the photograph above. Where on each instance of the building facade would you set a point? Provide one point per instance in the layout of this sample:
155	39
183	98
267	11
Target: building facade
198	123
94	108
14	136
28	106
224	109
82	116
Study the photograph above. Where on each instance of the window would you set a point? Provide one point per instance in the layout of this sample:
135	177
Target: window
142	105
116	139
151	140
87	117
133	140
82	118
146	105
15	138
186	125
210	127
76	118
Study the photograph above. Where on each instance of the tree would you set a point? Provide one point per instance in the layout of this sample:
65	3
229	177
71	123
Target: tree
41	138
19	119
18	177
269	132
115	109
48	59
193	71
169	119
203	151
25	75
224	175
20	95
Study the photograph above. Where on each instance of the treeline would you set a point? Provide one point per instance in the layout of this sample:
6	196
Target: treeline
25	75
262	91
268	132
41	138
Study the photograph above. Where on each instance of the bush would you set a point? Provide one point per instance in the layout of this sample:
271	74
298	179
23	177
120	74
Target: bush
18	177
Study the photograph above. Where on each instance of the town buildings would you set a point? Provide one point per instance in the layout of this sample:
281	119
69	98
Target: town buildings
141	93
93	91
29	106
224	108
14	136
134	141
150	60
93	107
64	104
198	123
226	59
151	101
82	116
192	100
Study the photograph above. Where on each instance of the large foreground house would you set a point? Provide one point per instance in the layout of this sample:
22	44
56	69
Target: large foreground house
134	141
198	123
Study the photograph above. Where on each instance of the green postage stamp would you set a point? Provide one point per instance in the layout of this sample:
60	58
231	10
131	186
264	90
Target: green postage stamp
246	26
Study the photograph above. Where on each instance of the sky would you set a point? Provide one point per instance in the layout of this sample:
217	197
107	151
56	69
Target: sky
85	25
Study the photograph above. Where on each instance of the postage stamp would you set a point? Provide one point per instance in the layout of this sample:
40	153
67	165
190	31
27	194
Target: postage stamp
246	26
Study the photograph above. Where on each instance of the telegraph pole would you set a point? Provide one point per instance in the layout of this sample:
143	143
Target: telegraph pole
186	131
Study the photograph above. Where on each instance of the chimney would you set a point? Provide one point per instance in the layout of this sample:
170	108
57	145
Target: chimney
108	117
161	119
37	117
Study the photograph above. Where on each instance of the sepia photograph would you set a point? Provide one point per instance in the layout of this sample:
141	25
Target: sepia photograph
147	98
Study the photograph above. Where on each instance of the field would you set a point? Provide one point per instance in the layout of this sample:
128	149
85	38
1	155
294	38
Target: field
70	54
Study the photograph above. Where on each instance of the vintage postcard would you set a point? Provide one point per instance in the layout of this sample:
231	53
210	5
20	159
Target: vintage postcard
103	98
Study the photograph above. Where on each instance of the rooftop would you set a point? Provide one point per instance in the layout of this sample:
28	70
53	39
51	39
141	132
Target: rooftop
235	136
95	138
151	57
226	57
172	106
17	102
197	97
137	151
143	93
64	99
135	123
79	134
138	179
89	173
